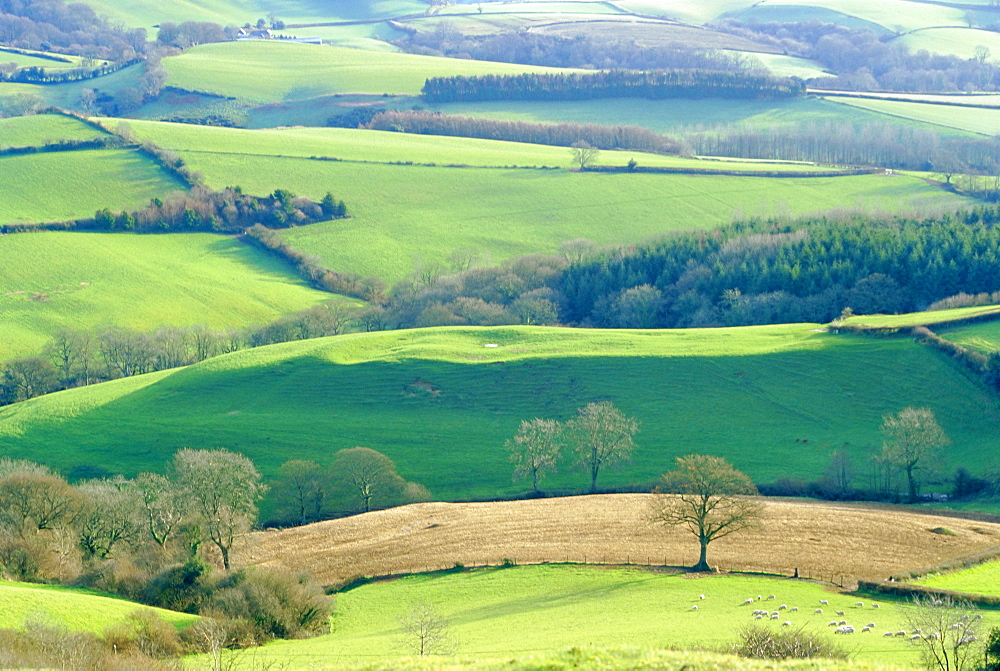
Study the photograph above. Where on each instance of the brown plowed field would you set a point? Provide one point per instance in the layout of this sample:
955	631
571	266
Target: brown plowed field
822	540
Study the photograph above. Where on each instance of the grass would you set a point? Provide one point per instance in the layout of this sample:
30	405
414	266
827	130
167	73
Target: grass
39	129
534	610
67	185
390	147
68	95
615	529
50	281
405	215
37	59
925	318
971	119
961	42
983	338
429	399
894	15
74	609
269	71
982	579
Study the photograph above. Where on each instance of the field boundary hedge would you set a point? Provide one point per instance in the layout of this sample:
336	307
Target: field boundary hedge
909	591
733	173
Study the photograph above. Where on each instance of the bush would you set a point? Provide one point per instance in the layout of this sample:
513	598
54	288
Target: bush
144	632
273	604
182	587
764	643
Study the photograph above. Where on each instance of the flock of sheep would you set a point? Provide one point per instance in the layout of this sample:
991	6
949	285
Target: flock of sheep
841	625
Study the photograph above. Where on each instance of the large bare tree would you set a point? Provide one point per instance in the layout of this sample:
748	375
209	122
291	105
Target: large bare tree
709	497
601	435
949	632
367	477
223	488
534	449
913	438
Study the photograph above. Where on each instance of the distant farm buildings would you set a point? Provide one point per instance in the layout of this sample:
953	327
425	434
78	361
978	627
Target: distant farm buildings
268	34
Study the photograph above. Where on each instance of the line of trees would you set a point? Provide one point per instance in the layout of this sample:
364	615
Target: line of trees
559	134
579	51
863	60
654	85
35	74
889	145
600	436
74	28
74	358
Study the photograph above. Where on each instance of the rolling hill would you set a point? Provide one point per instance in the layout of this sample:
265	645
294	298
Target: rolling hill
434	398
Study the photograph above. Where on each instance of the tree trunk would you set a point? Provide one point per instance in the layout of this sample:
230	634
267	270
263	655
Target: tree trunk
225	555
911	484
595	467
702	564
534	480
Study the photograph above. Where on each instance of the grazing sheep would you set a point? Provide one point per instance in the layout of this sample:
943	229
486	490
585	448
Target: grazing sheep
875	605
793	609
758	617
748	601
915	637
952	627
839	612
824	602
701	596
782	607
695	607
918	630
888	633
844	629
833	623
864	629
771	596
870	625
786	623
977	617
774	617
759	597
818	610
842	622
932	637
900	633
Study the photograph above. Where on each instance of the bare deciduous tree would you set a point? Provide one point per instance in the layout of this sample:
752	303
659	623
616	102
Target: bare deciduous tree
602	437
110	516
223	488
912	438
535	449
301	489
583	154
369	476
425	631
164	504
709	497
948	632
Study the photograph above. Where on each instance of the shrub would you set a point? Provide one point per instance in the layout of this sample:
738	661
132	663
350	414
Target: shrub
182	587
763	643
144	631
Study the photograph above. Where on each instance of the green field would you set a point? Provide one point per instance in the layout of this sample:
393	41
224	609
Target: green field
390	147
971	119
429	399
74	609
68	95
40	129
961	42
925	318
50	281
982	579
262	72
984	338
37	59
405	215
532	610
68	185
893	15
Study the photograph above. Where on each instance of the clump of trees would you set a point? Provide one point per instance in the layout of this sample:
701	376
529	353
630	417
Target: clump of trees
558	134
74	28
758	642
358	480
600	437
913	438
654	85
863	60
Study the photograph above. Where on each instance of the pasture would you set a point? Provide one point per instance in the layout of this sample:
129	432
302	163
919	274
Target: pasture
41	129
262	72
926	318
74	609
982	579
615	529
55	280
68	185
984	338
960	41
532	610
969	119
434	398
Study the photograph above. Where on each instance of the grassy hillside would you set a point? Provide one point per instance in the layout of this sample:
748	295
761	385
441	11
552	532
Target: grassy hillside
534	609
271	71
430	400
984	338
50	281
39	129
68	185
926	318
971	119
961	42
75	609
615	529
982	579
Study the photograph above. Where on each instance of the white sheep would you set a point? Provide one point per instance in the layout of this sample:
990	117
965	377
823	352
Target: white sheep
915	637
757	617
839	612
701	596
782	607
977	617
793	609
824	602
833	623
771	596
875	605
818	610
870	625
748	601
932	637
694	607
774	617
888	633
901	633
842	622
786	623
859	604
864	629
